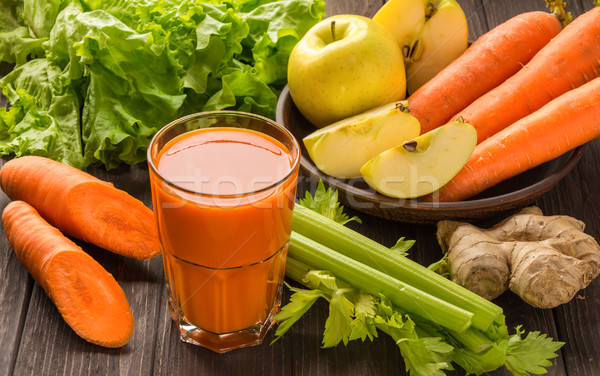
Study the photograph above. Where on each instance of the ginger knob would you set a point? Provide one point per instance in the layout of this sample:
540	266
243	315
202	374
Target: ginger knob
545	260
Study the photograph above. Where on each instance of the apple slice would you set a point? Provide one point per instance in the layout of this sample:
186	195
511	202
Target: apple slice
444	37
431	34
422	165
340	149
404	19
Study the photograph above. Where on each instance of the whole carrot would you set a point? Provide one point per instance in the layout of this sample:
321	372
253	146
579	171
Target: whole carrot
86	295
491	59
83	206
561	125
569	60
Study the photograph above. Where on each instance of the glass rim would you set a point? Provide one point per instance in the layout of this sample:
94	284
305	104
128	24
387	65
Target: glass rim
293	169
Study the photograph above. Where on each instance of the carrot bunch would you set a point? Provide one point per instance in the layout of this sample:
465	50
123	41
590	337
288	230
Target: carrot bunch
51	198
568	121
489	61
548	107
568	61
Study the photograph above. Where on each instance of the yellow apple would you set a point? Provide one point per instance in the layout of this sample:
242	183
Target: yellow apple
422	165
431	34
340	149
345	65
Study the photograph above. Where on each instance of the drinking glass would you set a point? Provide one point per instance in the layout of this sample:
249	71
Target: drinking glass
223	189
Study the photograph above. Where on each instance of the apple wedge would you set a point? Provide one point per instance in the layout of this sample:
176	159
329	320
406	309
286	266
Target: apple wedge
422	165
340	149
404	19
431	34
444	37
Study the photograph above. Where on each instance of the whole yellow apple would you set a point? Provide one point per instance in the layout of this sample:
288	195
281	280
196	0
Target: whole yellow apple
343	66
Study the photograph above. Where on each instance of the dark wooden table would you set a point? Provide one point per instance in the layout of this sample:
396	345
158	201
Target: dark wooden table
34	340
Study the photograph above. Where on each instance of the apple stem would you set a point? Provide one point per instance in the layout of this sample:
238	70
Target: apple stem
410	145
430	10
333	30
402	107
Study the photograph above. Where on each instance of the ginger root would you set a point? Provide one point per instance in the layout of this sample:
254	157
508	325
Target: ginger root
545	260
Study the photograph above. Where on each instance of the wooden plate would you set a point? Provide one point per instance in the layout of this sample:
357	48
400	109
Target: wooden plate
355	193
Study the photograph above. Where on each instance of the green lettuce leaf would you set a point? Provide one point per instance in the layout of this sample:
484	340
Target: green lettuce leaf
132	66
17	45
40	15
42	120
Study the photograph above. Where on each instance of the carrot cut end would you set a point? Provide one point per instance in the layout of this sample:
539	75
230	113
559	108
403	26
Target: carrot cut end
89	299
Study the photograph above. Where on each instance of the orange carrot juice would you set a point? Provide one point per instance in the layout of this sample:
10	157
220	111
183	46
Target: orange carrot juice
223	198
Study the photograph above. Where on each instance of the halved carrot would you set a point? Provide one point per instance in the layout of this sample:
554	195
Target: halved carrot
89	299
83	206
489	61
568	61
561	125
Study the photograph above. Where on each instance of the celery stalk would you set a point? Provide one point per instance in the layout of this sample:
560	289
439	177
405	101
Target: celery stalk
471	339
360	248
352	273
295	269
376	283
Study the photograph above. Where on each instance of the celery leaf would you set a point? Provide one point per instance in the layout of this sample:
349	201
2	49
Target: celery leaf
300	302
338	326
351	311
530	354
364	312
441	266
319	279
402	246
422	355
480	363
325	202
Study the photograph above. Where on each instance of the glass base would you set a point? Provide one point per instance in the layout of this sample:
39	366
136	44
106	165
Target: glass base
224	342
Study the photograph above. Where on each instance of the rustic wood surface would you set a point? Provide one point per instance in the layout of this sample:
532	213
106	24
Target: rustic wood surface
36	341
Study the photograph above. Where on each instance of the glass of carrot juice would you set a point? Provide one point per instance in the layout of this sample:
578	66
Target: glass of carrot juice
223	190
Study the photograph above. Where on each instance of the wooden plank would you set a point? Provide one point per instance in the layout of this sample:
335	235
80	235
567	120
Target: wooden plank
499	11
363	7
15	292
476	20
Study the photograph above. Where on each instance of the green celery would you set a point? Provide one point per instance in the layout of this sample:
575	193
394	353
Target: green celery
375	282
472	350
356	313
295	269
360	248
472	339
